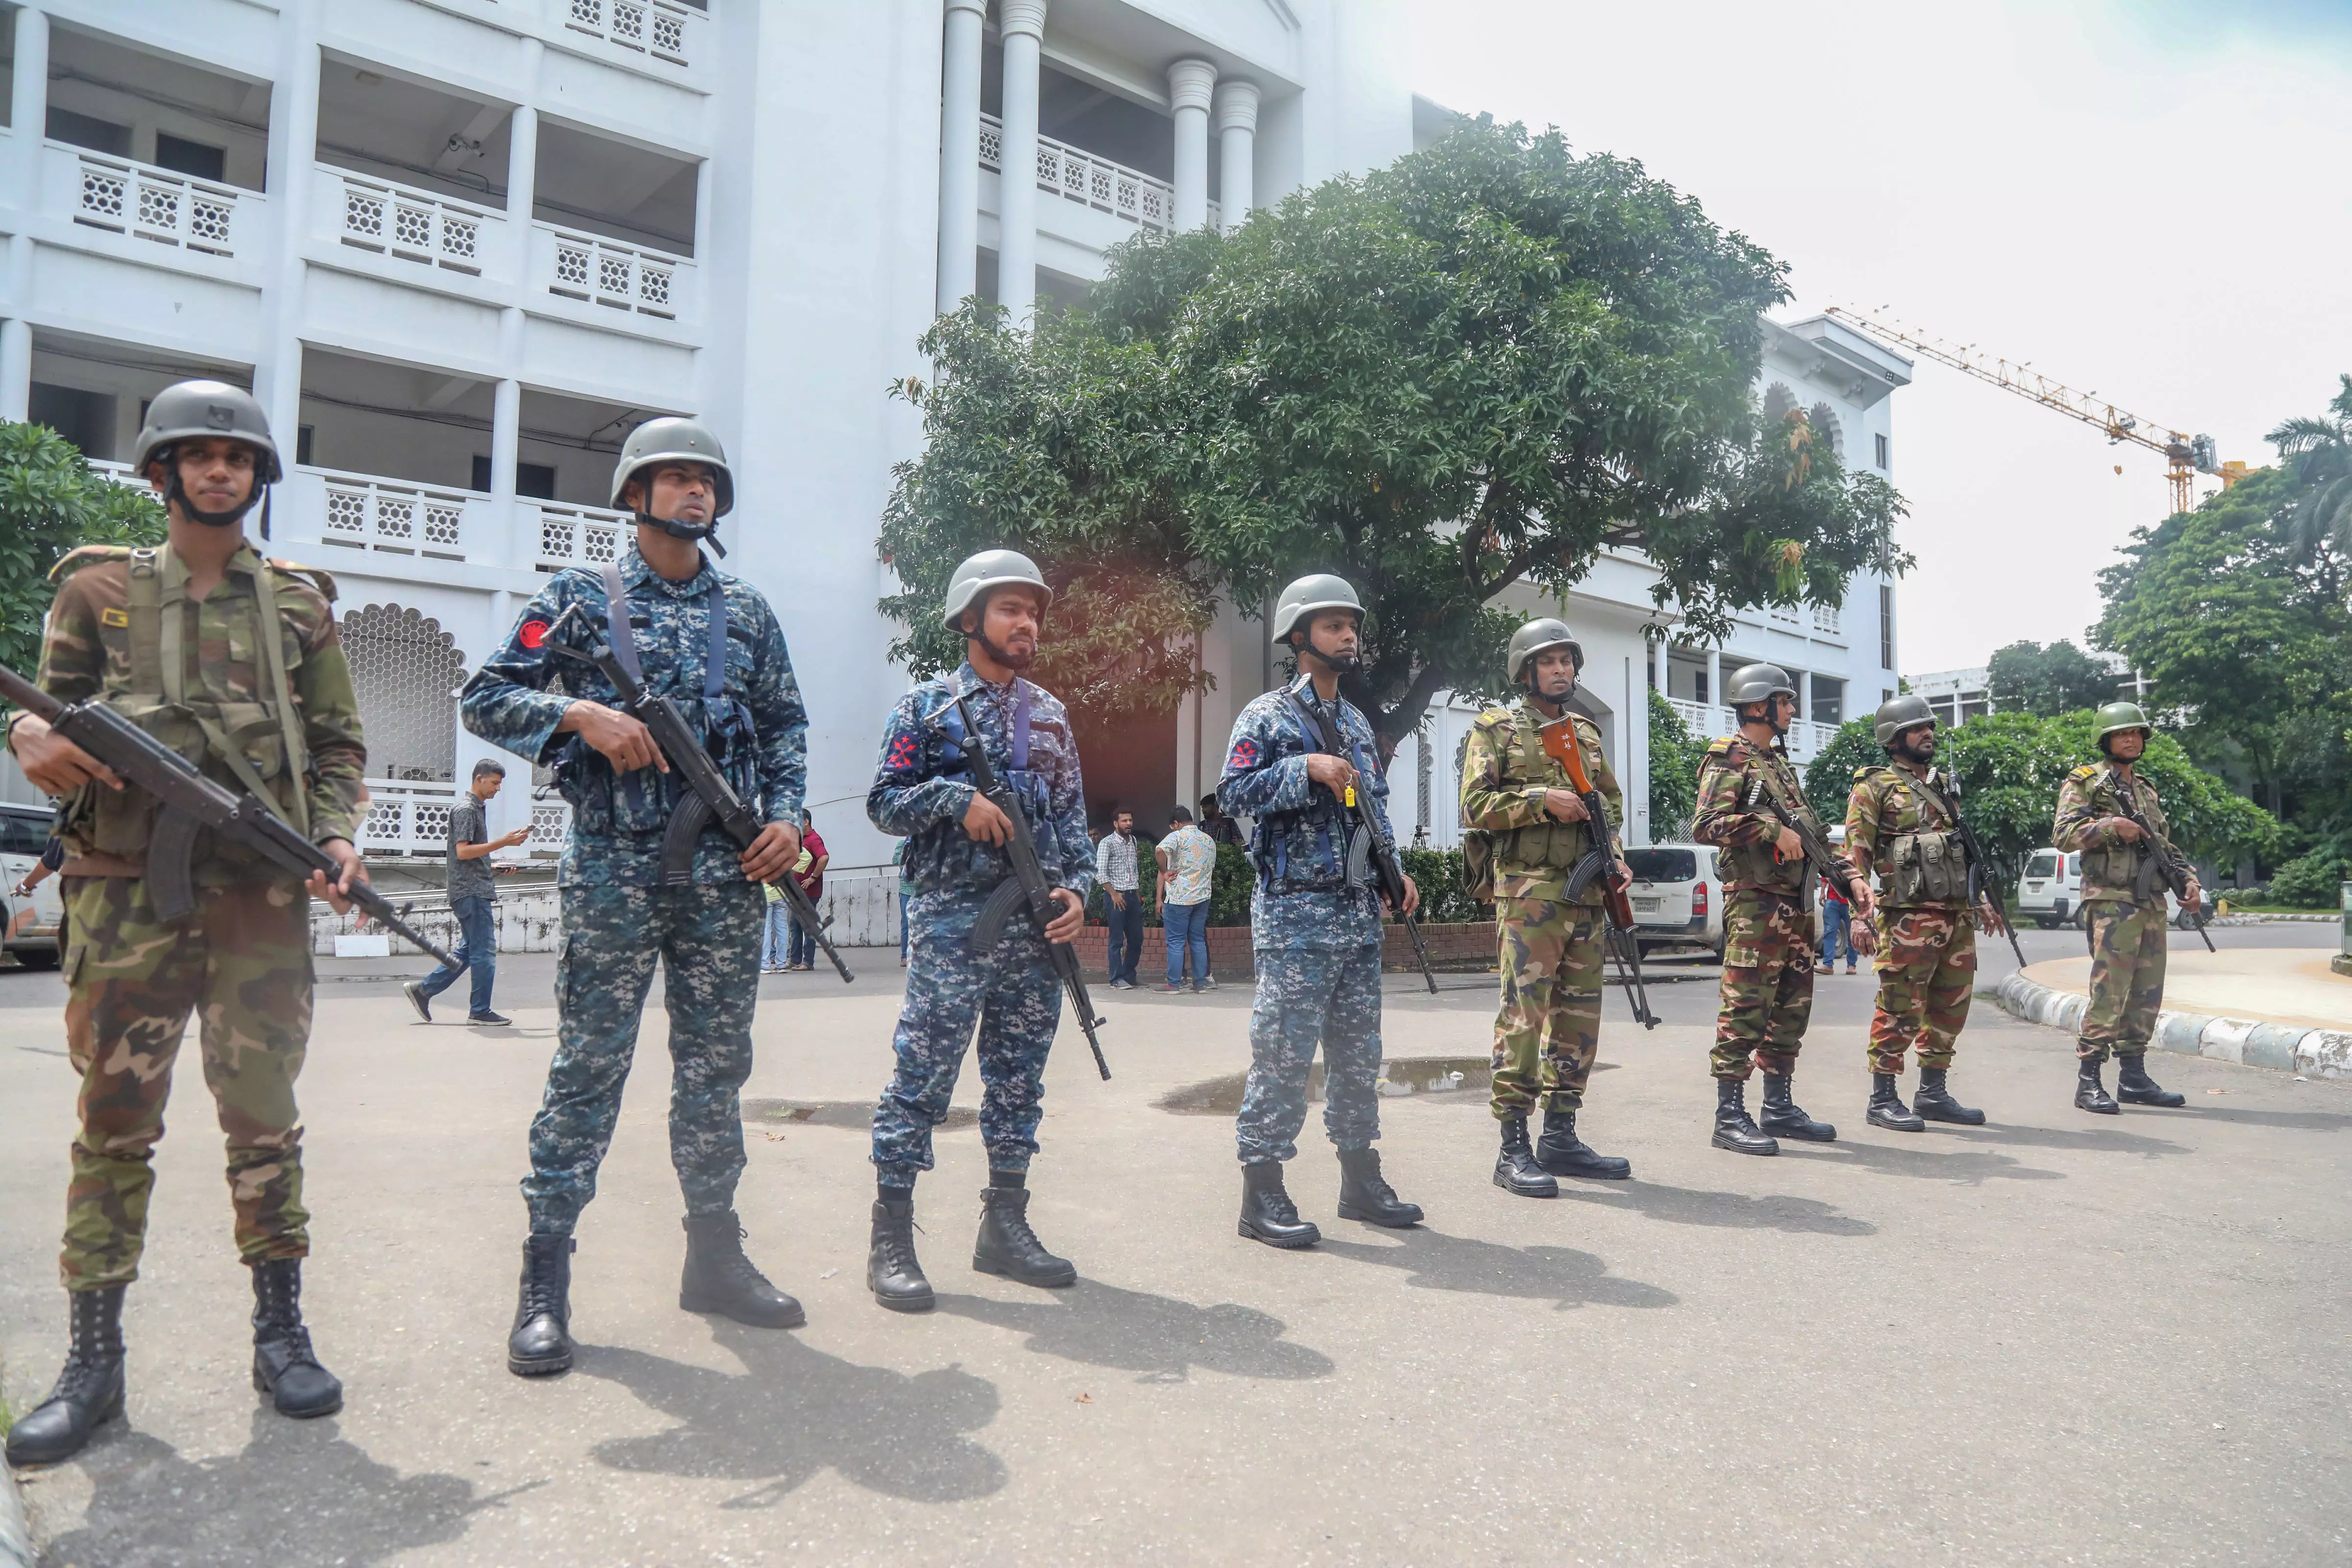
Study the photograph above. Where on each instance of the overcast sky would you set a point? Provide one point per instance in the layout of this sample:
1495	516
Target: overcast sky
2146	198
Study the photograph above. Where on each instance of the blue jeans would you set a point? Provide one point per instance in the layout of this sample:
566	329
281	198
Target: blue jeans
477	950
803	946
1187	929
775	941
1837	927
1124	948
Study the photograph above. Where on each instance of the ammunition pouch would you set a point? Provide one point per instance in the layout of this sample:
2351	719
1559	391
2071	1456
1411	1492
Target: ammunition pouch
1927	868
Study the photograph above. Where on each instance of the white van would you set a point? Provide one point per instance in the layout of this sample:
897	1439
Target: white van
23	834
2051	892
1678	897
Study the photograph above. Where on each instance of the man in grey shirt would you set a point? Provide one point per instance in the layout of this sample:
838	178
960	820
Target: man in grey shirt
473	890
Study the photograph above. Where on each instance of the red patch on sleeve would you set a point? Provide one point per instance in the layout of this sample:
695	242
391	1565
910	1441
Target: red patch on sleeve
902	754
1245	753
533	633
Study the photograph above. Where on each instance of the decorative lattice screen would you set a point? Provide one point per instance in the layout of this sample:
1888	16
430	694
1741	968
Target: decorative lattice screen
407	671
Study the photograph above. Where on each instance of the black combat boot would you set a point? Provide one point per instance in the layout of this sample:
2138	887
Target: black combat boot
719	1279
2090	1094
1516	1171
2134	1087
1267	1213
284	1366
1562	1153
891	1271
541	1341
88	1391
1733	1130
1365	1194
1935	1100
1784	1118
1886	1107
1007	1246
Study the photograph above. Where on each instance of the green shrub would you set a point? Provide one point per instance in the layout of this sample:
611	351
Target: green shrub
2310	881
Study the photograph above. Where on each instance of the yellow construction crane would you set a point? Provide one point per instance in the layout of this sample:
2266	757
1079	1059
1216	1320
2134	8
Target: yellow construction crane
2186	456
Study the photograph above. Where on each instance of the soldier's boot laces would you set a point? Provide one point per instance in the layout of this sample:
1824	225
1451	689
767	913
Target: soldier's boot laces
891	1271
1516	1171
1733	1129
88	1391
1006	1245
1887	1110
1267	1213
2134	1087
1365	1194
1562	1153
2090	1094
541	1341
1784	1118
1935	1100
285	1367
719	1279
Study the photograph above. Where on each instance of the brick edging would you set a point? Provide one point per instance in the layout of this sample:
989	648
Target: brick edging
2288	1048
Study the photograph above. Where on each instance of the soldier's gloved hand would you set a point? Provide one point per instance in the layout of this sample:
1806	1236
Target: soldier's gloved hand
771	854
622	741
1336	774
1064	927
55	764
349	870
1567	805
985	822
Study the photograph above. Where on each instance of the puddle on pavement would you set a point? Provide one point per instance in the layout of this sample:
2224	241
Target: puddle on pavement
854	1114
1463	1078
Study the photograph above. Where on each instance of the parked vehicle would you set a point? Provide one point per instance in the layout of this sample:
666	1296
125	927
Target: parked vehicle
1678	897
23	833
2051	892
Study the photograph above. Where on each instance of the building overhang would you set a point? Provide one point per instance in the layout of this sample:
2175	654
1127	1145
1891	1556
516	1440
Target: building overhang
1830	352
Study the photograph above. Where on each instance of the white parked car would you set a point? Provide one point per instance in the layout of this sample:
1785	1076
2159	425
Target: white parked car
1678	897
23	833
2049	893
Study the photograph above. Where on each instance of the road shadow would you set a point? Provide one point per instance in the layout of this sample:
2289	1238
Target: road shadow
1564	1275
2082	1140
2288	1121
299	1493
794	1411
1962	1166
1159	1338
1727	1210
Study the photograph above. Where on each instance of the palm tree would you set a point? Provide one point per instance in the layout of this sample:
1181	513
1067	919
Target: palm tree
2318	457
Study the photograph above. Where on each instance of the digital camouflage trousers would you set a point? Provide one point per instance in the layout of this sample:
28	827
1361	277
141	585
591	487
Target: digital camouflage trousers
2128	952
1926	964
1768	984
242	962
1548	1029
1309	997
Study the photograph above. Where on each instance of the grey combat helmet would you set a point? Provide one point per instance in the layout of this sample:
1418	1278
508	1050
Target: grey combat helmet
1897	714
990	569
1756	684
201	411
1315	592
1535	637
2121	716
671	439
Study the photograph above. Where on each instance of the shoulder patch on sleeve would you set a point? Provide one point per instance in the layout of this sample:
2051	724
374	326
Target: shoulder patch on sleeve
2084	771
317	577
1493	718
73	560
1727	748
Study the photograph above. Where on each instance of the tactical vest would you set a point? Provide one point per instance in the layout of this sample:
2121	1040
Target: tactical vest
1028	786
1927	866
1550	845
2116	867
1756	864
1340	856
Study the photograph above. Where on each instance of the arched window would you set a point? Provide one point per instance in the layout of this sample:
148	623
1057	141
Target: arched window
407	671
1778	403
1827	429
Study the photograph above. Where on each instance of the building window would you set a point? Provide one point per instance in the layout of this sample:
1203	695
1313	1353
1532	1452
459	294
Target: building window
1885	625
305	436
1879	440
185	157
1829	429
406	671
534	481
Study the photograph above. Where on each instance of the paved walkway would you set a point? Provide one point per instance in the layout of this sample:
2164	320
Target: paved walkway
2054	1339
2267	985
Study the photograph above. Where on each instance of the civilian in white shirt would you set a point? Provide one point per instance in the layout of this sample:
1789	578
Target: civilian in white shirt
1114	869
1188	859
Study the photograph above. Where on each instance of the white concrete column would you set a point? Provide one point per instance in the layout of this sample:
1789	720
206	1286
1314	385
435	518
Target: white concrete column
293	149
1661	652
1805	696
522	180
1714	679
28	102
1023	24
1236	152
960	153
1190	84
17	359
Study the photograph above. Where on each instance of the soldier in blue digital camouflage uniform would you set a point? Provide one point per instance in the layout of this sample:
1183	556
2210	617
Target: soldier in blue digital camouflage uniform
1296	756
923	790
710	642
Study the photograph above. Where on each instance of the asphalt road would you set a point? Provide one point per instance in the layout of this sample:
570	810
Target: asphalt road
2056	1339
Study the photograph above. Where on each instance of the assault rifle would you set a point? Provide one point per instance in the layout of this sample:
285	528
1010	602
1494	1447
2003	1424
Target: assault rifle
1028	885
1372	852
707	793
2161	860
1820	860
1984	882
189	801
1624	948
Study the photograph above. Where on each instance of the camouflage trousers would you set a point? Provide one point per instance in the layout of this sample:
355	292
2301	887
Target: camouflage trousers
707	938
1011	993
1548	1029
1768	983
242	961
1309	996
1927	965
2127	953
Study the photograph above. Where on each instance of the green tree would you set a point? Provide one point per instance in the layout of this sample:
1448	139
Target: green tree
1675	756
2315	518
1481	366
51	502
2047	681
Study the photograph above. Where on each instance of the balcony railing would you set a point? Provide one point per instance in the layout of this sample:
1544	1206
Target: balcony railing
1707	721
651	27
409	225
405	818
368	513
550	824
1080	176
1825	619
579	536
597	271
150	204
120	474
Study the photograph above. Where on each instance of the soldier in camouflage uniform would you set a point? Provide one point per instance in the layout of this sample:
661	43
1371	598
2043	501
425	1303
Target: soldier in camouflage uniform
2127	932
1900	822
710	642
1768	954
1297	755
1533	827
923	790
234	663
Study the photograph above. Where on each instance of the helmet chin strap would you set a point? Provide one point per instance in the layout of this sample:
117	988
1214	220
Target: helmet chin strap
702	533
1338	663
227	519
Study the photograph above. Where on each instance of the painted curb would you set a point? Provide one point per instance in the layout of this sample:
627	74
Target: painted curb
16	1535
2287	1048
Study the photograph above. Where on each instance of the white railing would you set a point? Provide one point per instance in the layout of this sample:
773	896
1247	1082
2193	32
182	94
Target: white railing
1825	619
151	204
1080	176
120	474
550	824
604	272
405	818
408	224
653	27
578	536
368	513
1707	721
1783	614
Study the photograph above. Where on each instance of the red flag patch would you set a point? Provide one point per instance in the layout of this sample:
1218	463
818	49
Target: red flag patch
533	633
1245	753
902	754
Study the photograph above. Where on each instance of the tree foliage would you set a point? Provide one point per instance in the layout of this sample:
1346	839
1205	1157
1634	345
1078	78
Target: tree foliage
51	502
1482	366
2316	517
1675	756
2047	681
